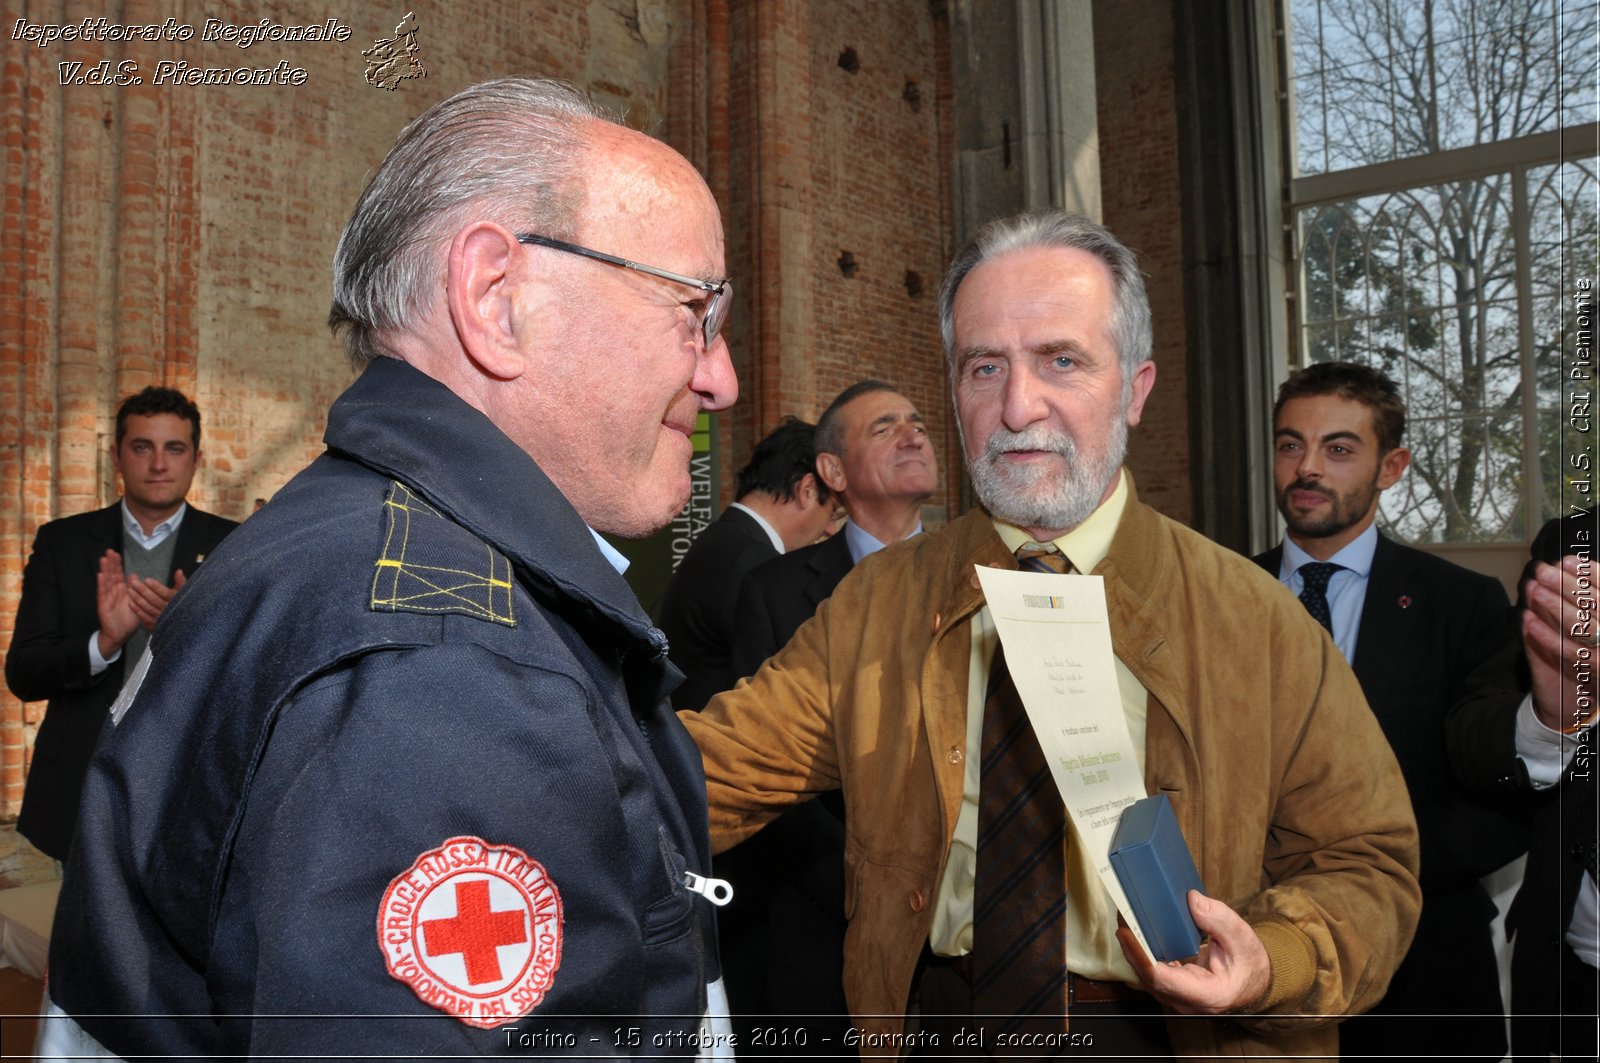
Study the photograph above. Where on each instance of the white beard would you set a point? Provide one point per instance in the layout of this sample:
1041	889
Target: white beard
1040	498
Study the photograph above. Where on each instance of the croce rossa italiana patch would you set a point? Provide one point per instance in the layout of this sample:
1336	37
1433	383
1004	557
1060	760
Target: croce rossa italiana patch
474	929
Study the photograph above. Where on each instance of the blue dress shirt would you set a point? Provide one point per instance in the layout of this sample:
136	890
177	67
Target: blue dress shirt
1347	590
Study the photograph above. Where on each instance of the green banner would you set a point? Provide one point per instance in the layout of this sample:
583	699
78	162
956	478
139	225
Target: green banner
652	561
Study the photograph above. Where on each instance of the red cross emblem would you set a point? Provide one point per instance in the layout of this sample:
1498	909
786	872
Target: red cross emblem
474	929
475	932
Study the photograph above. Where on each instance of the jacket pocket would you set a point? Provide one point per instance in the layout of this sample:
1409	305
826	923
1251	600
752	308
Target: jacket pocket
670	916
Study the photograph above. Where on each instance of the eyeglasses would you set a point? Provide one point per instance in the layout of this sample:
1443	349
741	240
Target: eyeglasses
716	311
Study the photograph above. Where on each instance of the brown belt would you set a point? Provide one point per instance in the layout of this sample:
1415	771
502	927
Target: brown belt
1082	990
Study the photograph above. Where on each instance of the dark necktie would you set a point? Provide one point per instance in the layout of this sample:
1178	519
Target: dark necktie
1314	577
1019	917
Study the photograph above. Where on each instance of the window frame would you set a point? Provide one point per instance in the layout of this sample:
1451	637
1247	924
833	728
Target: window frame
1514	159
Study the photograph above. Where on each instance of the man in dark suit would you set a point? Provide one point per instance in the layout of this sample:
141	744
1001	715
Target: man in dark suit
781	506
91	593
1524	733
873	453
1412	626
783	941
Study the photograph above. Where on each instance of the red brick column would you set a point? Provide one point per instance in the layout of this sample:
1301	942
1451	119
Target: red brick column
1142	202
839	207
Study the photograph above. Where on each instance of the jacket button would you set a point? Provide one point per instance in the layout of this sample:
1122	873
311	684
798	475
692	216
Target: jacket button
973	579
918	902
954	756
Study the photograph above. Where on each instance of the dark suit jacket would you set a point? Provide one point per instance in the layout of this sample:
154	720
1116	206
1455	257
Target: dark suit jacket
783	946
699	613
49	656
780	595
1482	745
1425	624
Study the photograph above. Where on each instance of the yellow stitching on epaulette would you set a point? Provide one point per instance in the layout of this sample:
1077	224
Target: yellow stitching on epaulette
501	583
388	538
399	505
476	577
436	589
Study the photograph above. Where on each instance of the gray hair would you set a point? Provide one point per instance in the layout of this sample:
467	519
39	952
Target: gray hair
1129	327
511	151
830	426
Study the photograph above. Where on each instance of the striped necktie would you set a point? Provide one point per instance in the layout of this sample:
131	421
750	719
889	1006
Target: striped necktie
1019	918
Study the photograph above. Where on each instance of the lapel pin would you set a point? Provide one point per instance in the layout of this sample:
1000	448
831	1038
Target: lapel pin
1405	601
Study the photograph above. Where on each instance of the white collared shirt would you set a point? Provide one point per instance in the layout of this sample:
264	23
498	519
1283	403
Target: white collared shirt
1547	753
157	535
612	555
772	533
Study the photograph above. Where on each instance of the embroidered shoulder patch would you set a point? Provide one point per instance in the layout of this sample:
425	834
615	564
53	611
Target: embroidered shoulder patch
430	564
474	929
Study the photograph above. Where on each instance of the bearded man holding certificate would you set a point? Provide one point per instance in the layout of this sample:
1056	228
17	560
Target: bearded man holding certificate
978	918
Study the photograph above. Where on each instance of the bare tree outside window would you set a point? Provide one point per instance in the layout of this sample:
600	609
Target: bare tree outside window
1442	226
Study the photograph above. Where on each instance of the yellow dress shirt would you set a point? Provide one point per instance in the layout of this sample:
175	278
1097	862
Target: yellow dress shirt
1092	949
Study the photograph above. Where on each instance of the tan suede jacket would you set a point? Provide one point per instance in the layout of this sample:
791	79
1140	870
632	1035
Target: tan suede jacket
1286	790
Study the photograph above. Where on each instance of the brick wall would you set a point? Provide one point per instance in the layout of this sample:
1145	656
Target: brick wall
834	160
881	204
1142	201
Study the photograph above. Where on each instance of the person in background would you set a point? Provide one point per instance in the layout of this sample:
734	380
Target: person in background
1413	626
784	938
873	454
1523	734
93	589
781	506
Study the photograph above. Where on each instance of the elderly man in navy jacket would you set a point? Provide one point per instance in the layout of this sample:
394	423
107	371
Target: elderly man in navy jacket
411	787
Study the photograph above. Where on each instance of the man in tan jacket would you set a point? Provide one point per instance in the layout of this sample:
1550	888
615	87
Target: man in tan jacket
1240	708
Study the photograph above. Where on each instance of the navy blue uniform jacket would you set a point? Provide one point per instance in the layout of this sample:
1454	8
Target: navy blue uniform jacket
417	642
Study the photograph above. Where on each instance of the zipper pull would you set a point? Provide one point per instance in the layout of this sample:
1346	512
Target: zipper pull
716	890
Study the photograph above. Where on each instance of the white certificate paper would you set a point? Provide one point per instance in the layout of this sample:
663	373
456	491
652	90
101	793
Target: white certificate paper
1057	640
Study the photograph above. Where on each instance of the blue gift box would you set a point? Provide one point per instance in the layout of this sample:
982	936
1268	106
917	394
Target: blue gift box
1153	864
